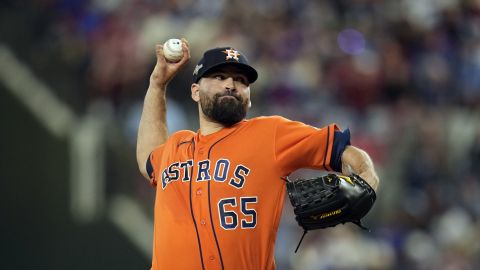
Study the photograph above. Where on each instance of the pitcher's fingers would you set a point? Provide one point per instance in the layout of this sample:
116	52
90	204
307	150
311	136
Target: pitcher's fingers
186	54
159	52
187	45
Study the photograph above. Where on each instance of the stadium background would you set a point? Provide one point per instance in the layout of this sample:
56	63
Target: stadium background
403	75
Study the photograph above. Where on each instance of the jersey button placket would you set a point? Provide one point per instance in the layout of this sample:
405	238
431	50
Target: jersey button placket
201	193
201	208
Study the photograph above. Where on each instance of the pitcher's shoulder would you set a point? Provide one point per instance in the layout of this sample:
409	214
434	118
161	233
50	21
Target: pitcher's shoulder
268	119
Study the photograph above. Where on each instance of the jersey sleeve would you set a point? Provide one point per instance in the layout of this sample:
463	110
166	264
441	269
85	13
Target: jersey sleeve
298	145
153	162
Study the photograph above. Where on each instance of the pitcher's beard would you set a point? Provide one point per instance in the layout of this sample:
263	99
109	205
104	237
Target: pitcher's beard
226	109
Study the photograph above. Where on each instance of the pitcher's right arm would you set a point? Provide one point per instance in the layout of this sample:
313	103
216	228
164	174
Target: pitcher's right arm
152	130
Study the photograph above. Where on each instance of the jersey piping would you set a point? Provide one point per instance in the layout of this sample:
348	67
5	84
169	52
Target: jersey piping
191	208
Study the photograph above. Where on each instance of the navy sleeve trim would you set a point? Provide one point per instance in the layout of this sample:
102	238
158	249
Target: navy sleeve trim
326	148
340	141
149	166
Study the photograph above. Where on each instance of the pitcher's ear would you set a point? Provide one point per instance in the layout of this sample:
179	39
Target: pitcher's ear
195	88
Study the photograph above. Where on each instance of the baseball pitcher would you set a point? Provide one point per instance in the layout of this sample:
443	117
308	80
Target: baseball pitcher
220	190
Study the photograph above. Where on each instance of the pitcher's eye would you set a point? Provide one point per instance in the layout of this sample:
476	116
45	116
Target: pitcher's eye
242	79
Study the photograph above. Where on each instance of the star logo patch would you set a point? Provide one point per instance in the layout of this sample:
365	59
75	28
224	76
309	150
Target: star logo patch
232	54
197	68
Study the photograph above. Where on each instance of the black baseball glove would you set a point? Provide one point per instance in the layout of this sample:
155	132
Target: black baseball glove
330	200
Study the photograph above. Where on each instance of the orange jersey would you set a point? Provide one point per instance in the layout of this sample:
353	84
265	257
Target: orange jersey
219	197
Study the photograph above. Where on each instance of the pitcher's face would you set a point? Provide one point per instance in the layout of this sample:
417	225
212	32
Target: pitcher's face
224	95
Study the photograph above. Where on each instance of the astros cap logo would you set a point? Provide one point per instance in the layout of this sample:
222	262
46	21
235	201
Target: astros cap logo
232	54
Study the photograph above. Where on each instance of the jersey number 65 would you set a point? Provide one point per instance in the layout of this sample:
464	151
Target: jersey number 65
229	218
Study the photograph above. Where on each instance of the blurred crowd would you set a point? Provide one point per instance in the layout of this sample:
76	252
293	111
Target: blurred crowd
403	75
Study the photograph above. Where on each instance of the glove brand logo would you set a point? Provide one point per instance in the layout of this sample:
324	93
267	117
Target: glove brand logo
232	54
328	214
346	178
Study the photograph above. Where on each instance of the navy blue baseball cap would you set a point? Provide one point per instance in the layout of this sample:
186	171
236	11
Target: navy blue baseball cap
218	57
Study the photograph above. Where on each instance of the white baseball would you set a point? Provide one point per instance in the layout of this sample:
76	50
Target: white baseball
172	49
